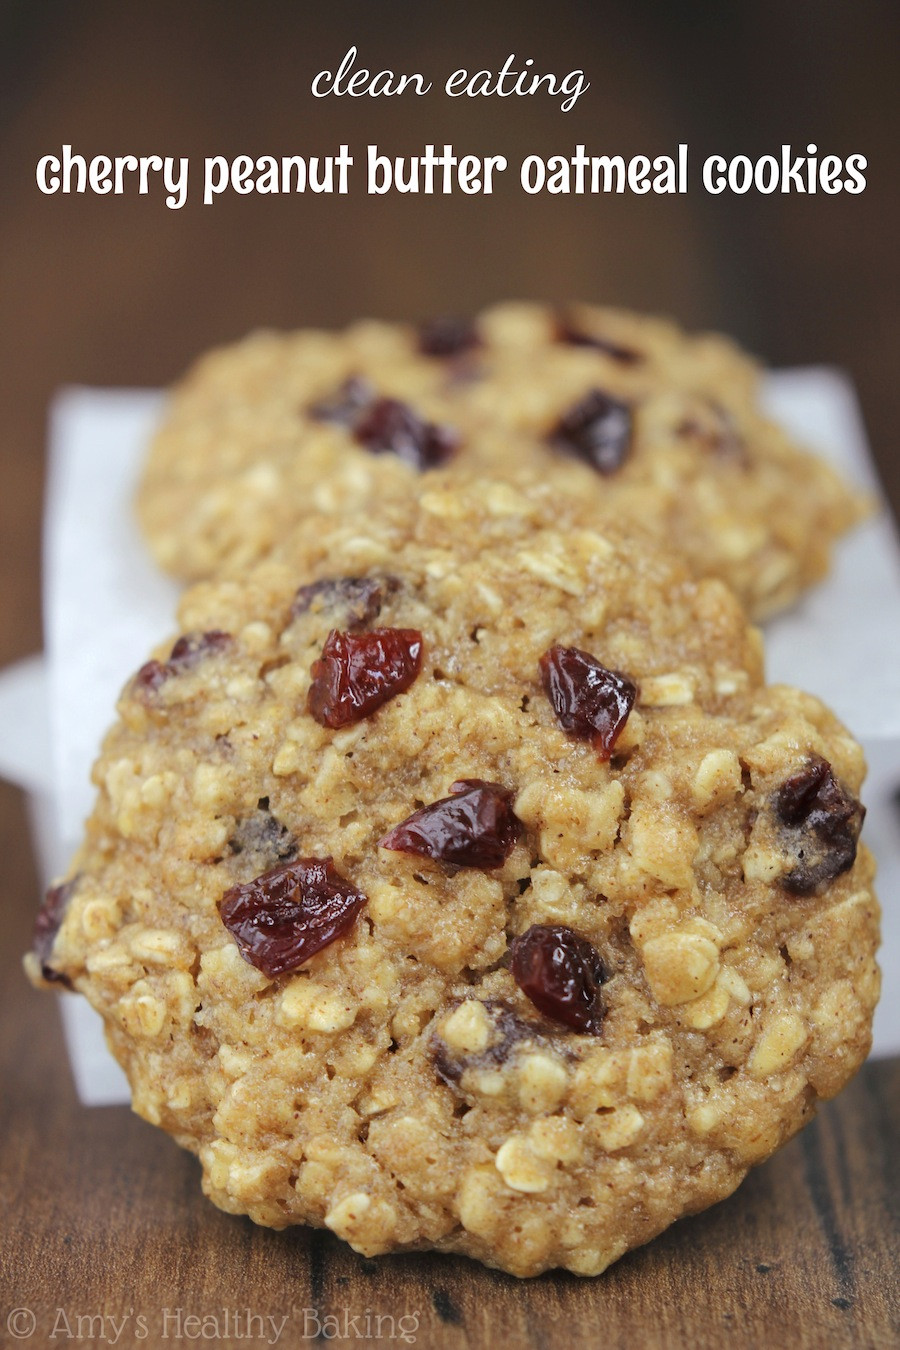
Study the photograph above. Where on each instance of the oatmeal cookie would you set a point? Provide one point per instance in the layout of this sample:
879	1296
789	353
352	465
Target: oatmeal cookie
615	407
456	882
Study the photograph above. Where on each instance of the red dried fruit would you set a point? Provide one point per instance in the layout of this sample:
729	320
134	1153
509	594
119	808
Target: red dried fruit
568	331
448	336
346	405
598	430
189	649
509	1031
356	601
150	676
48	923
392	427
475	827
562	974
284	917
192	648
589	701
821	824
358	672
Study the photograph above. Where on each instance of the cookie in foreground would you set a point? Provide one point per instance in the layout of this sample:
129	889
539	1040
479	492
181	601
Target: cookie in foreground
468	889
616	408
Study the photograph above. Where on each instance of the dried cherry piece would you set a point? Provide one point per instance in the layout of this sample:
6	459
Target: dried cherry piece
821	825
562	973
589	701
447	336
285	916
474	827
358	672
568	331
597	430
48	923
448	1067
188	650
391	427
510	1029
346	405
150	676
192	648
263	837
356	601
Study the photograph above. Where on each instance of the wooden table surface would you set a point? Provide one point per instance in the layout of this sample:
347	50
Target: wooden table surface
100	1215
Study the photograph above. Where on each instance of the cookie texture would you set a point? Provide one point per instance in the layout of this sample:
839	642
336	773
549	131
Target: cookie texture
456	882
616	408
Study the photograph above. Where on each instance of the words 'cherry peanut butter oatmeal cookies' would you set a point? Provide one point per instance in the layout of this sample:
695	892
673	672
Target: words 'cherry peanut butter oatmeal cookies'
621	410
456	882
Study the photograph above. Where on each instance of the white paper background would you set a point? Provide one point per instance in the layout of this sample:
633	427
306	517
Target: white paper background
105	606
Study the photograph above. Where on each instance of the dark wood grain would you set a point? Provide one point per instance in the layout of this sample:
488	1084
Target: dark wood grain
102	1215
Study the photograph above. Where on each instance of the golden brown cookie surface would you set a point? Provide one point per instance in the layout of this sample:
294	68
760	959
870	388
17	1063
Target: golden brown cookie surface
594	936
612	406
